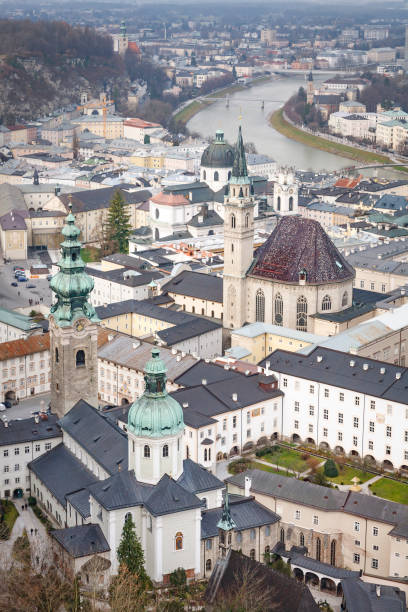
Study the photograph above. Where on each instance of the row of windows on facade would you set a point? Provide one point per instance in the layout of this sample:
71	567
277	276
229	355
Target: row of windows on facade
233	221
165	450
216	175
372	286
279	202
37	448
356	420
32	365
301	308
17	480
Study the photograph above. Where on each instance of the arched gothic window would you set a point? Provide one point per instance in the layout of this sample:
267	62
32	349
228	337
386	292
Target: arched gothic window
333	553
165	450
204	175
229	174
208	565
205	454
278	309
267	550
291	203
260	306
278	205
216	176
178	541
252	554
344	299
56	355
326	303
187	452
233	221
301	313
146	451
231	299
301	539
80	358
247	220
318	549
232	247
282	535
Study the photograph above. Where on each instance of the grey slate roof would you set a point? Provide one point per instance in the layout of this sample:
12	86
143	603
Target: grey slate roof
61	472
203	370
80	501
334	369
98	435
121	490
245	512
122	276
27	430
197	479
362	597
184	331
195	284
168	497
310	564
82	540
93	199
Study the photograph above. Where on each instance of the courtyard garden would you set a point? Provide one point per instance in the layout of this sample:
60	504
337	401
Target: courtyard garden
390	489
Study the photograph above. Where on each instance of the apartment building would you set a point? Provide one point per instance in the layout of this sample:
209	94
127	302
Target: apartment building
339	528
24	367
120	284
21	442
350	404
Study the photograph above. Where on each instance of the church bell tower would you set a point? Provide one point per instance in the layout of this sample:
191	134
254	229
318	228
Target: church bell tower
73	328
239	204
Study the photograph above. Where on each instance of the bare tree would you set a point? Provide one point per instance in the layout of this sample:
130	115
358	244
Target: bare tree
127	593
248	593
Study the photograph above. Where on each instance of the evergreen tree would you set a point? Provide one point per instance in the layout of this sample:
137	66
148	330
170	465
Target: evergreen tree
130	551
330	469
119	228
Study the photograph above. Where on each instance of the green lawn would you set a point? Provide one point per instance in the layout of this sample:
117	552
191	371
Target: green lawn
90	254
287	458
266	468
391	489
278	122
348	473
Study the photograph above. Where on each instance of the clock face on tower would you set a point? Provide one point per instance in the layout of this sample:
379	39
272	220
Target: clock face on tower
79	326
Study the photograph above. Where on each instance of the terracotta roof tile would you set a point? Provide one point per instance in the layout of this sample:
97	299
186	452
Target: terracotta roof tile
20	348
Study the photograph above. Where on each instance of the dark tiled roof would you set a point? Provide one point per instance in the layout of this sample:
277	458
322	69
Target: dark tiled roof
282	593
80	501
99	436
245	512
300	244
310	564
93	199
123	277
196	284
202	370
189	329
27	430
82	540
197	479
334	369
121	490
362	597
61	472
168	497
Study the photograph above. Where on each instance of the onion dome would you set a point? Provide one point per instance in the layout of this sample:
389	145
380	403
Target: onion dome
218	154
155	414
300	249
71	285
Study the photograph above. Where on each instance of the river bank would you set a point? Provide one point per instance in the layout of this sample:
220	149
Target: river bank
281	125
184	115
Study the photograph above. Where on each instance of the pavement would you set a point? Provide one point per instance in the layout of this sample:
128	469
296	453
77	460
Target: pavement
24	409
17	297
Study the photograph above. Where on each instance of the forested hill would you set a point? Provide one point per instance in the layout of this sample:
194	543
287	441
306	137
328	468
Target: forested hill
45	65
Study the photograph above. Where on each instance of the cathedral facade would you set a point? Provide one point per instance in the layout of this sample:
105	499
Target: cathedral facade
295	274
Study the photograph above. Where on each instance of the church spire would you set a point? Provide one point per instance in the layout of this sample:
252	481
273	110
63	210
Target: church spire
71	284
226	522
239	169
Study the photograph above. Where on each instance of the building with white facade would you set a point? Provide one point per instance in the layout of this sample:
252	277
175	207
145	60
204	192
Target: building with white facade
24	367
346	403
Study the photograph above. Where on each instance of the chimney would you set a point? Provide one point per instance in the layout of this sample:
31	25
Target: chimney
248	484
185	404
204	381
5	423
178	358
382	370
378	590
267	365
397	375
110	338
37	418
365	366
352	363
319	358
234	397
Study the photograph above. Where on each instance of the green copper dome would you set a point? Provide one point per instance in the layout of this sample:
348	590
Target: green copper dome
218	154
155	414
71	284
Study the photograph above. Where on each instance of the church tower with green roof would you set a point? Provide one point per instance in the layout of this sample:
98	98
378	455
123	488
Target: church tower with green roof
155	428
73	328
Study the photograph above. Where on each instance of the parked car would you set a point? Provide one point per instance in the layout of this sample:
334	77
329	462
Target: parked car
18	268
22	279
7	403
2	407
31	286
19	273
14	284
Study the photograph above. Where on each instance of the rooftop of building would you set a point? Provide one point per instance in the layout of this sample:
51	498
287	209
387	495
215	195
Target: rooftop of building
195	284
